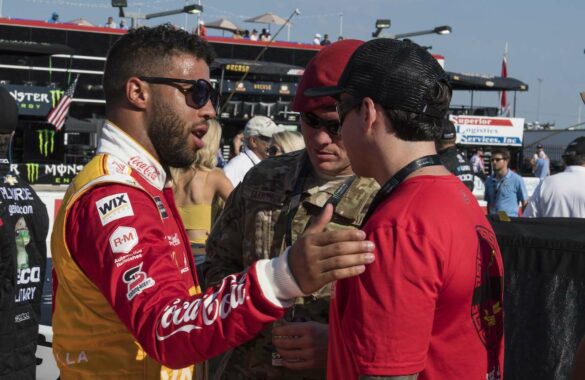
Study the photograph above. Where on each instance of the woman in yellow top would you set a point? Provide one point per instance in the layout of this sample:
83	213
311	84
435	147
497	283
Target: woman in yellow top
196	188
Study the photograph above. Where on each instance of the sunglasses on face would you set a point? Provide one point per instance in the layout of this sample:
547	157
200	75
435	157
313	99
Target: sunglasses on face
331	126
196	96
344	107
273	150
497	159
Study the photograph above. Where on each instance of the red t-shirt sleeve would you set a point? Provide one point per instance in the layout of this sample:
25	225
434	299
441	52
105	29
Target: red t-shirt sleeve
390	307
147	292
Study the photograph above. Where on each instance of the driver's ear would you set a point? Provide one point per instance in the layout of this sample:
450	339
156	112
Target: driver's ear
138	92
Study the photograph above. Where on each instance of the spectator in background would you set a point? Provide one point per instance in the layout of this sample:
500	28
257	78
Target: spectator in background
317	39
325	41
563	194
265	35
340	38
257	134
285	142
201	29
123	24
196	189
246	35
24	225
54	18
451	158
477	164
254	35
540	163
111	23
237	143
504	189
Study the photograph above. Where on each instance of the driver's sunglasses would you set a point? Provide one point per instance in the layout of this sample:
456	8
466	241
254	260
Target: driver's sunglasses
196	96
331	126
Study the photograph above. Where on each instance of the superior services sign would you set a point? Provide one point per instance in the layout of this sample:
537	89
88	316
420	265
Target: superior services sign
485	130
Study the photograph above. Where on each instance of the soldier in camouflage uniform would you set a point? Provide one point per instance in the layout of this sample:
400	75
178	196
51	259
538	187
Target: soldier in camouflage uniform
271	208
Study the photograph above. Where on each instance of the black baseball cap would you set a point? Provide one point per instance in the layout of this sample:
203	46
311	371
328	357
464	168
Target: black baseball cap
449	132
395	74
576	147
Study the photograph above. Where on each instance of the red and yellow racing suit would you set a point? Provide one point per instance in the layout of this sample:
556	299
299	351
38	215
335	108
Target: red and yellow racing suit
126	299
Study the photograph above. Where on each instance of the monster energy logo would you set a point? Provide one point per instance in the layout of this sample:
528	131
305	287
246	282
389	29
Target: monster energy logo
46	141
32	172
55	96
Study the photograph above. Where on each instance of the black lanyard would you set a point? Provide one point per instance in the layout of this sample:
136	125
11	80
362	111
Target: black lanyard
397	179
295	199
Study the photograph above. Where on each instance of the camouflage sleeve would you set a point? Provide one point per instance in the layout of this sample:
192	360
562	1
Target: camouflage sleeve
224	244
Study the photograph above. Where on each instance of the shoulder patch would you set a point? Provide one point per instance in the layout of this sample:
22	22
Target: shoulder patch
123	239
114	207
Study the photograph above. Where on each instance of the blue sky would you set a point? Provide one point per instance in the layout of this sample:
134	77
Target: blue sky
543	37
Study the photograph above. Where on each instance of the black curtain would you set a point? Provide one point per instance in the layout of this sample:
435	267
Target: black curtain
544	299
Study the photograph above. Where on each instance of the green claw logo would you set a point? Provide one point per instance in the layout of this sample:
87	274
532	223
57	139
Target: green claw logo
32	172
46	141
55	96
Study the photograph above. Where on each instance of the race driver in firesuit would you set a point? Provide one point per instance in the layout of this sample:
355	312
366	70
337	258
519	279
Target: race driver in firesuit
127	303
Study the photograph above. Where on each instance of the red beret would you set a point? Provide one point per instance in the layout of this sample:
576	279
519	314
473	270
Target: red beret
324	70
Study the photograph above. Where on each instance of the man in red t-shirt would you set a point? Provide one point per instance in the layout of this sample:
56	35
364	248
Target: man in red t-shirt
430	307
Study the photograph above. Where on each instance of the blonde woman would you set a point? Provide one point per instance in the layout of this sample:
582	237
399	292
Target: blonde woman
285	142
196	188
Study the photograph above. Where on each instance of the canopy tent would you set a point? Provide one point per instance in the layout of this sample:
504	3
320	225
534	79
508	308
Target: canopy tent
15	47
80	21
485	83
268	18
222	24
256	67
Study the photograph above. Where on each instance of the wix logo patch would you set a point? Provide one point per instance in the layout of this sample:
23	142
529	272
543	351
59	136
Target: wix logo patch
114	207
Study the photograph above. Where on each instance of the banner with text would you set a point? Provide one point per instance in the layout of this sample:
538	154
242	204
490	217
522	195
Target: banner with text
485	130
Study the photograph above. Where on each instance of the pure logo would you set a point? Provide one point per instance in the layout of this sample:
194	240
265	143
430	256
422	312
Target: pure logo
114	207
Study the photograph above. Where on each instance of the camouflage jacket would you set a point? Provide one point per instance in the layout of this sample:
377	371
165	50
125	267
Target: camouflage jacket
253	226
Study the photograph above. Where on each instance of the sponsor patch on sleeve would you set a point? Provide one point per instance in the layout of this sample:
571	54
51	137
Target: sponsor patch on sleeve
137	281
123	239
114	207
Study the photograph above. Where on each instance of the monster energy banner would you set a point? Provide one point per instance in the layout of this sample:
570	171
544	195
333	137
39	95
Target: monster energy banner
42	144
47	174
34	101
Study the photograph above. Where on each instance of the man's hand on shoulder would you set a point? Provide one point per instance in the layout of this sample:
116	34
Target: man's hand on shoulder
318	258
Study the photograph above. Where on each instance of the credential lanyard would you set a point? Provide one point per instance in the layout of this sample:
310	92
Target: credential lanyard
398	178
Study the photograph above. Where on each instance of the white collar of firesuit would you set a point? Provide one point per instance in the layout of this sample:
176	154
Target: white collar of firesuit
119	144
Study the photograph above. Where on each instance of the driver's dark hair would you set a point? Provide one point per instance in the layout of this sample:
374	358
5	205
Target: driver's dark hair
146	52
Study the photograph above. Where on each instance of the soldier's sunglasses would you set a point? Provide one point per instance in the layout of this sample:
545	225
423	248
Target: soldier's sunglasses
196	96
315	122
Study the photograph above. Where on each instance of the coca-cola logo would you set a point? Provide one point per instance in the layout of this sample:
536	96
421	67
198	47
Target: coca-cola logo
146	169
186	316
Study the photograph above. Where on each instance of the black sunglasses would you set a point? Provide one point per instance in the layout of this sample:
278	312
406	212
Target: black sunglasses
344	107
273	150
331	126
200	92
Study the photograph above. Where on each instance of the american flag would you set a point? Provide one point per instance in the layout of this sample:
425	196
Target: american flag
59	113
504	106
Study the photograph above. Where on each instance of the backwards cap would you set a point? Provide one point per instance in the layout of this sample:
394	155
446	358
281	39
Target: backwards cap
395	74
324	70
